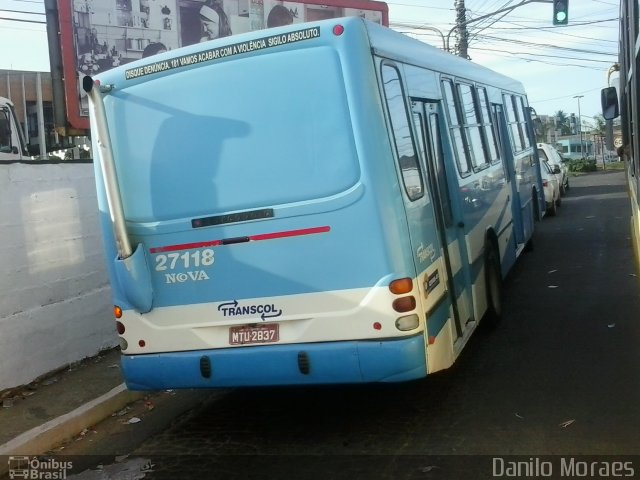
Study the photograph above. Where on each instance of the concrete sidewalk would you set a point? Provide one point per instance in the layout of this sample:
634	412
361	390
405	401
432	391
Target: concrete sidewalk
37	418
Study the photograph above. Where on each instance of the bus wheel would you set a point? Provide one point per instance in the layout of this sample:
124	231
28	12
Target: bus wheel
493	278
528	247
536	206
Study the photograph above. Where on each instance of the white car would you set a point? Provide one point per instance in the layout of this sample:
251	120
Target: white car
551	186
549	154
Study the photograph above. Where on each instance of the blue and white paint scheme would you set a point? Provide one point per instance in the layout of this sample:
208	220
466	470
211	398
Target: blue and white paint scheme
325	203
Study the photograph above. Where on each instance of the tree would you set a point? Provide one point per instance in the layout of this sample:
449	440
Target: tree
543	130
562	123
601	125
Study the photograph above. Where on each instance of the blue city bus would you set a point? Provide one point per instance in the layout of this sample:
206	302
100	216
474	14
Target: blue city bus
322	203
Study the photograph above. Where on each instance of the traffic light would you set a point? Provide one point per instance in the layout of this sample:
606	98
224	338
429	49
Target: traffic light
560	12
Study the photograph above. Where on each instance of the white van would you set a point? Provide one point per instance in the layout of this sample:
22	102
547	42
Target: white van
12	143
549	154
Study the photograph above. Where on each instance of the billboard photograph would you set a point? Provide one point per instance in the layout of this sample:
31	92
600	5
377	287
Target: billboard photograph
97	35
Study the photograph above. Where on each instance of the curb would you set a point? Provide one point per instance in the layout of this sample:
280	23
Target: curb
47	436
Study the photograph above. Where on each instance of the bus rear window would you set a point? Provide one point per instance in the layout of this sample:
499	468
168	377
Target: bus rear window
244	134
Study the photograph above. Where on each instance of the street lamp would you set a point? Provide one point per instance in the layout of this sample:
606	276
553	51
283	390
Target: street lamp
580	123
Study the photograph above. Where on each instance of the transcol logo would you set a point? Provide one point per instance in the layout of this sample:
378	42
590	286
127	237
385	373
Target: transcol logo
234	309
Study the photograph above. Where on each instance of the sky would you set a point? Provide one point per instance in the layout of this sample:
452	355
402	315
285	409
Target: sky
555	63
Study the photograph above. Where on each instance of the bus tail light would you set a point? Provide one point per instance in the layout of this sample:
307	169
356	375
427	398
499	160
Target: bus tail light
123	344
410	322
404	304
545	183
338	30
117	311
400	286
120	328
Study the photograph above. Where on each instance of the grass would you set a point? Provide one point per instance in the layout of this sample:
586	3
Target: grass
612	166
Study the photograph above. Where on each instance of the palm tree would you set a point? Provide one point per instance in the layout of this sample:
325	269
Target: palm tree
600	127
562	123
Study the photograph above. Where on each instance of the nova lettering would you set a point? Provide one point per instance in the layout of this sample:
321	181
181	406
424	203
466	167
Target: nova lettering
192	276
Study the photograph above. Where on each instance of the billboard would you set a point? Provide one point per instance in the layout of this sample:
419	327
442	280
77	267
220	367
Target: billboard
96	35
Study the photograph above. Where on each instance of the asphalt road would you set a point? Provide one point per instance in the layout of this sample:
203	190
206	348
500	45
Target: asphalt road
556	382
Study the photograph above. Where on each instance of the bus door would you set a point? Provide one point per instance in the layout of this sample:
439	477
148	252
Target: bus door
426	116
510	171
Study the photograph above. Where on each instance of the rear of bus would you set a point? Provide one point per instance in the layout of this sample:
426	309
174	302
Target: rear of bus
261	198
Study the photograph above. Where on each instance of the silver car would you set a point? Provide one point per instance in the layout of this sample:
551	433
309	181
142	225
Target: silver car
551	186
549	154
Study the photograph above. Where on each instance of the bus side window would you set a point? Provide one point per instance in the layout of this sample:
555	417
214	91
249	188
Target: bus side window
522	119
5	131
403	139
456	129
512	121
441	174
489	128
472	126
497	114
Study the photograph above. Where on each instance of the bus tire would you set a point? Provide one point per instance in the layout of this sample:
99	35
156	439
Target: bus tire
529	246
536	206
493	278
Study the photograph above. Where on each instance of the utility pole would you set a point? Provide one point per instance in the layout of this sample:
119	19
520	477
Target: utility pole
580	123
461	27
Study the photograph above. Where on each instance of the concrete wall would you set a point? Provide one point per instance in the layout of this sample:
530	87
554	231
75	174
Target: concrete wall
55	303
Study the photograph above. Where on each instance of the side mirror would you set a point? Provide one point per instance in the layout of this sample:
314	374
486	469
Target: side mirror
537	127
538	130
556	169
609	101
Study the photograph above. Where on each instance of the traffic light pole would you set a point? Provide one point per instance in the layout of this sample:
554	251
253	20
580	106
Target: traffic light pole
461	23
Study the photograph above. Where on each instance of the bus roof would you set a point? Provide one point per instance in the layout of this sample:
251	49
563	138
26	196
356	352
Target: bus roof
384	41
391	44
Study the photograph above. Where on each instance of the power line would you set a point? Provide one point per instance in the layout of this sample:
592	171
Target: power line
21	11
546	45
420	6
488	19
546	55
577	93
22	20
582	47
553	30
501	54
475	34
34	30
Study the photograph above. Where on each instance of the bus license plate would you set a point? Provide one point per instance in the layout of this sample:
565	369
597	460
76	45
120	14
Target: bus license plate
246	334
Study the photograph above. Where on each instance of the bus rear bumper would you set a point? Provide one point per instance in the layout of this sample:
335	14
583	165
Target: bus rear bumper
292	364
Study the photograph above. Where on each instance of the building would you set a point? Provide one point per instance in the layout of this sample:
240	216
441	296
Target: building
550	132
32	96
574	148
